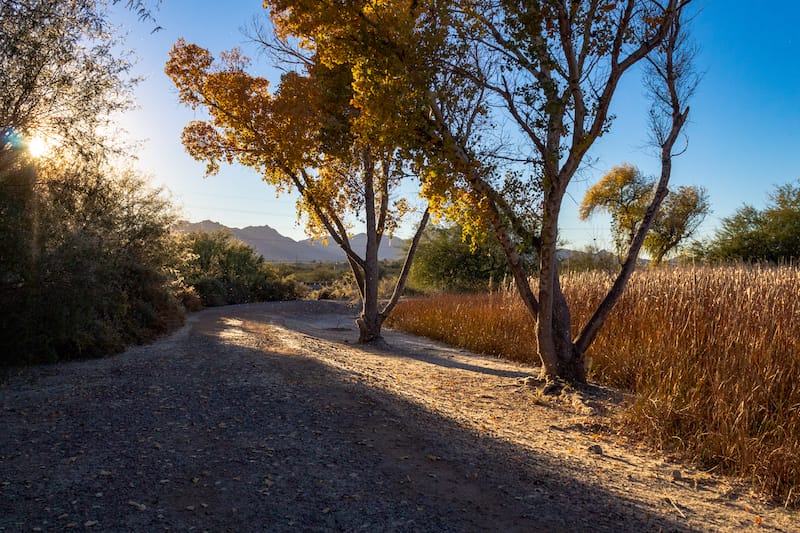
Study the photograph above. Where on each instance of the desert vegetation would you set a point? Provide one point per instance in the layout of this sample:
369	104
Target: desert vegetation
88	259
220	270
710	355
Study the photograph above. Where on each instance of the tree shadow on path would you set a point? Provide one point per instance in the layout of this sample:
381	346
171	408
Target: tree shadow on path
206	432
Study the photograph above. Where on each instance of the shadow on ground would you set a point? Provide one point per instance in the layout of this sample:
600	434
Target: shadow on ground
198	431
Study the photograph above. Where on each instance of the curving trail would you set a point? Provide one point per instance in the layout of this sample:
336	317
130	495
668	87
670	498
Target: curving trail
265	417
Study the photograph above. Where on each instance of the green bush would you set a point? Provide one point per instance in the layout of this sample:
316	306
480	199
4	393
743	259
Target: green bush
771	234
84	268
224	271
449	261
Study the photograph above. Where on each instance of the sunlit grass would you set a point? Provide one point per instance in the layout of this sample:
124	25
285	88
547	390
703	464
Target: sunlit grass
710	353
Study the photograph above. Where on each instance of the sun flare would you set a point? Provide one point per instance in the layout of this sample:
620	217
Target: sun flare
38	147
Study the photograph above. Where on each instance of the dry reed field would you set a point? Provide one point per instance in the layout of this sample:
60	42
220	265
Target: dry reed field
711	354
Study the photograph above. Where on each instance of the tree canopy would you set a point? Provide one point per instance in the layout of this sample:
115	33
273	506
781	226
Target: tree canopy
550	69
625	193
306	136
768	234
63	77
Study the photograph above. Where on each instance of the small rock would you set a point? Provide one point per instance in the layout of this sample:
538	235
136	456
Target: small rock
137	505
596	449
676	475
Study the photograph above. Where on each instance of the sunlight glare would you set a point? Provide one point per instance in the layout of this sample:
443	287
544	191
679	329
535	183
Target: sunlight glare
38	147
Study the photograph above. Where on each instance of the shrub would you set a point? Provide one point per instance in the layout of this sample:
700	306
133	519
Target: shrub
86	268
223	271
449	260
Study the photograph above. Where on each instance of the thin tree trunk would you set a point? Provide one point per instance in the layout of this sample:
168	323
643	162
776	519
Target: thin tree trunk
401	280
369	323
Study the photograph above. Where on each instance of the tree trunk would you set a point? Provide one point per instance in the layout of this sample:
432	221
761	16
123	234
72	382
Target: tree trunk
370	321
561	360
369	327
570	361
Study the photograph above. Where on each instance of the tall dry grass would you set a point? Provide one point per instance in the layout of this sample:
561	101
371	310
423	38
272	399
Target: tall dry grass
712	355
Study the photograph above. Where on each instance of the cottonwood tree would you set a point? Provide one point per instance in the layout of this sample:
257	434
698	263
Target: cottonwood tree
681	214
554	68
625	193
308	137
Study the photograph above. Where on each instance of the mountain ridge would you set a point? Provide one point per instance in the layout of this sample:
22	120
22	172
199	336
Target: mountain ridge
277	248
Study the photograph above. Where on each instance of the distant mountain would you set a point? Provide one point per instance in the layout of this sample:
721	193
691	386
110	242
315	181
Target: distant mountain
279	249
391	249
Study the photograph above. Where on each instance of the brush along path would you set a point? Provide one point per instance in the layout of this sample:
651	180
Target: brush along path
265	417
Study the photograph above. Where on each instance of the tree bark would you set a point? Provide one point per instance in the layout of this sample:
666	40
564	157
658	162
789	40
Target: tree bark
369	323
561	360
401	280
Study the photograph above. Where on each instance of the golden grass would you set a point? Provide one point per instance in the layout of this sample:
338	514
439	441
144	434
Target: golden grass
712	355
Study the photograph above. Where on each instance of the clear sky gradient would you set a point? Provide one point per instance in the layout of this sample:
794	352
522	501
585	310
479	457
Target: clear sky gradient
744	131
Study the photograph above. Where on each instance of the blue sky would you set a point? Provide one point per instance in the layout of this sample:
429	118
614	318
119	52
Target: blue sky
744	130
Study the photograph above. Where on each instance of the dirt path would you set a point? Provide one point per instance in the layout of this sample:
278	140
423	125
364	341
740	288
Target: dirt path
265	418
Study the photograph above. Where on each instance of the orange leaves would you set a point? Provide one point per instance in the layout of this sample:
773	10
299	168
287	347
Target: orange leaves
187	64
203	143
623	192
246	122
328	130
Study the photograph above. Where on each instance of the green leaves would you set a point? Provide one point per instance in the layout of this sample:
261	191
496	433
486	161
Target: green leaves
770	234
625	194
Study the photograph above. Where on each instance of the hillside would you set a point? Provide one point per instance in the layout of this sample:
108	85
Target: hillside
277	248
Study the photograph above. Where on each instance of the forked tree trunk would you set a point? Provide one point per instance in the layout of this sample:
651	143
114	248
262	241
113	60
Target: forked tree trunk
561	359
370	323
570	361
369	327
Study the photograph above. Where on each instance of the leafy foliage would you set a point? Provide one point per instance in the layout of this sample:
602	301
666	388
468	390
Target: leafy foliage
450	260
625	194
550	68
61	74
225	271
85	263
680	215
87	267
307	136
770	234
